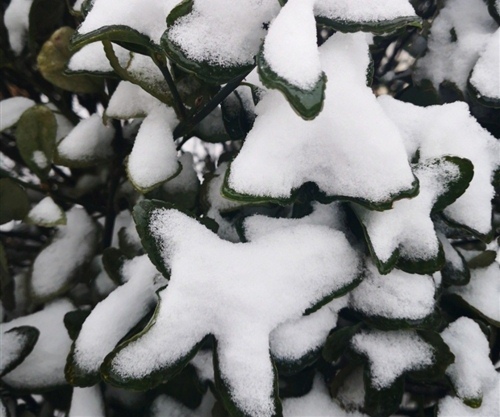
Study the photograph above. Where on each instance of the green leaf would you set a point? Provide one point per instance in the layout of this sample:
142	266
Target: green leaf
36	139
494	9
306	103
53	59
6	282
236	119
39	217
432	321
25	340
482	260
383	402
113	260
463	308
45	17
422	94
338	342
443	357
73	321
14	201
377	27
455	276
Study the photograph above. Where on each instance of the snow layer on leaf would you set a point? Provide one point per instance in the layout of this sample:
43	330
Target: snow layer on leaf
11	346
408	225
486	74
290	47
223	32
87	402
154	158
392	353
44	366
16	20
490	406
483	291
397	295
214	290
92	58
449	129
165	406
361	11
11	110
72	246
472	373
89	140
351	394
46	212
453	61
112	318
129	101
148	18
330	215
317	403
344	157
295	338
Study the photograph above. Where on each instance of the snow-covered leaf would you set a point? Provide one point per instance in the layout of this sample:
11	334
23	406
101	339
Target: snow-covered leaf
43	368
87	402
164	406
404	236
58	265
17	22
239	304
455	270
36	138
365	162
112	319
46	214
472	373
15	345
11	110
15	204
89	143
449	129
377	17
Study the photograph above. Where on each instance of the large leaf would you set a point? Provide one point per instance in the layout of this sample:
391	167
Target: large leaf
14	201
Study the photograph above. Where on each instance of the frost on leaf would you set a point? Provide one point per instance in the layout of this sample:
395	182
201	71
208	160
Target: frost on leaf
47	214
405	235
405	296
153	159
57	266
437	131
459	35
472	373
238	303
87	144
43	368
112	319
361	161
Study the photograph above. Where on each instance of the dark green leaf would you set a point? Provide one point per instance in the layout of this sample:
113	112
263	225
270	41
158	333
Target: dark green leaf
338	342
44	18
422	94
36	139
235	117
73	321
307	103
482	260
113	260
14	204
383	402
378	27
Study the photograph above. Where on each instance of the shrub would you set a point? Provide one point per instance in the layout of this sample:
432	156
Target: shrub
250	208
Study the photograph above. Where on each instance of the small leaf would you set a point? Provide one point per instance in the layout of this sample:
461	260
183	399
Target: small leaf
44	18
36	137
14	201
482	260
15	345
378	27
307	103
383	402
73	321
113	260
338	342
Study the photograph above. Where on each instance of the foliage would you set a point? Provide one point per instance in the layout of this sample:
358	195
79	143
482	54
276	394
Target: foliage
252	208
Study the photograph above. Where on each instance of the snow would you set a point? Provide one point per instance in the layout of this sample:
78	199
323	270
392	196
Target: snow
46	213
78	5
11	110
164	406
451	254
351	393
453	61
90	140
72	246
317	403
294	339
154	158
11	345
404	296
287	151
148	18
203	364
408	227
129	101
330	215
117	314
223	32
92	58
361	11
17	23
490	407
472	373
392	353
486	74
290	47
40	159
483	291
87	402
239	303
449	129
187	181
44	366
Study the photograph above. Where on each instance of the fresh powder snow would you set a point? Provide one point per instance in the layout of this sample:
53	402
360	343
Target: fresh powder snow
47	213
486	74
87	402
16	20
11	110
